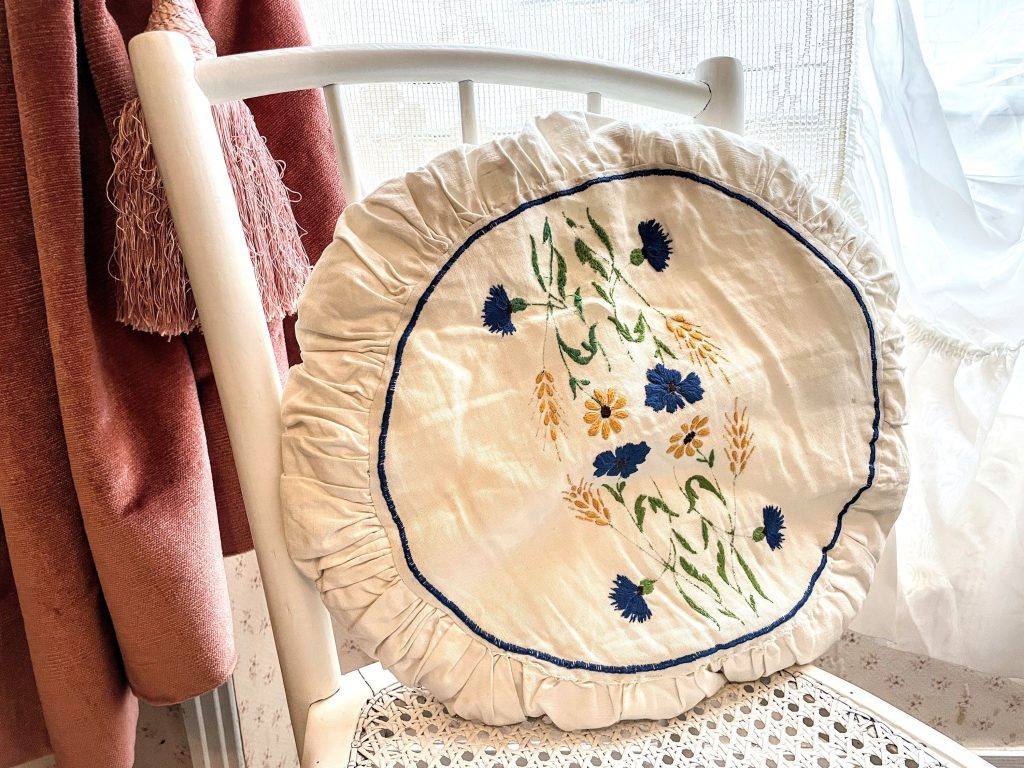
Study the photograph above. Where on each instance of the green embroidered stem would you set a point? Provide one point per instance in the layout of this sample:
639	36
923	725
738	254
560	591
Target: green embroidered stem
694	606
722	533
730	511
649	552
667	565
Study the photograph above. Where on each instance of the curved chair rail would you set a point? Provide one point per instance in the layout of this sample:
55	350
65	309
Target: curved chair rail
259	74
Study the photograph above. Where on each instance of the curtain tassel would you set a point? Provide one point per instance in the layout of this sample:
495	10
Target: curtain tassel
153	292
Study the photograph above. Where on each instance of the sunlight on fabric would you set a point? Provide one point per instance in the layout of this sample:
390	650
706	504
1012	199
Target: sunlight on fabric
939	181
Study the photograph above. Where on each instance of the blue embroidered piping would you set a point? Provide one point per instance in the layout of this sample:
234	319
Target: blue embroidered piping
631	668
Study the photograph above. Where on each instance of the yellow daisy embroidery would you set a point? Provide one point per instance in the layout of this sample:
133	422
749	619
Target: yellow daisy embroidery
605	412
688	441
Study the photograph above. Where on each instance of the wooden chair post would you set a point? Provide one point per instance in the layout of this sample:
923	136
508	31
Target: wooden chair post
188	150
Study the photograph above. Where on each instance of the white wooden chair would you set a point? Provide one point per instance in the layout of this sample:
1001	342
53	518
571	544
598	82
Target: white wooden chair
809	717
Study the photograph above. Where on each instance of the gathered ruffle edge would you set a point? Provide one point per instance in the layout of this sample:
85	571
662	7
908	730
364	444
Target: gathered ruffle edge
386	249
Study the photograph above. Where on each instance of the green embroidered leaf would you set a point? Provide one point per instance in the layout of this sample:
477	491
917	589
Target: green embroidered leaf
692	572
591	342
727	612
753	604
704	483
577	355
639	512
577	301
711	459
584	382
601	234
659	505
699	610
536	264
588	258
572	224
704	532
759	533
547	230
638	332
573	384
661	350
602	293
640	329
616	493
721	563
622	329
561	273
682	540
751	577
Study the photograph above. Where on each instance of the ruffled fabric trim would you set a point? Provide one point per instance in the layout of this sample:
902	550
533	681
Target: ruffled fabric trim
386	249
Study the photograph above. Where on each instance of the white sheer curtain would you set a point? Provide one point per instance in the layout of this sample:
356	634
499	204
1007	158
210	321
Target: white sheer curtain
923	142
937	172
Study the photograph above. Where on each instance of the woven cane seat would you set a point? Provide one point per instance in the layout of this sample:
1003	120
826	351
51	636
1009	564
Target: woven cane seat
787	719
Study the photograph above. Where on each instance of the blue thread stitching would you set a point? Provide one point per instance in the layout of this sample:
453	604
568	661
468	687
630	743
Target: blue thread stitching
586	665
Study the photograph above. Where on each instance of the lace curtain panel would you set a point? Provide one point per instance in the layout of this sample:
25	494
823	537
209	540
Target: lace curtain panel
921	141
938	175
797	57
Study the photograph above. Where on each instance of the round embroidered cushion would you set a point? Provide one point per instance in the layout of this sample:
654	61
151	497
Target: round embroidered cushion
592	419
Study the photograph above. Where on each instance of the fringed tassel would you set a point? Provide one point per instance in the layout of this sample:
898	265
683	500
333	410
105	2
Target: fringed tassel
279	259
153	293
153	289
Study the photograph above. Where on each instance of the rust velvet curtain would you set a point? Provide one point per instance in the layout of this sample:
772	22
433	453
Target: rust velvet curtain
118	495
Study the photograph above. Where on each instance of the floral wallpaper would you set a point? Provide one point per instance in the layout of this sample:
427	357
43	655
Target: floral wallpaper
262	711
975	709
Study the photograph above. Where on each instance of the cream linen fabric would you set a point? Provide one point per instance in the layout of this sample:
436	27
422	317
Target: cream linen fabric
499	467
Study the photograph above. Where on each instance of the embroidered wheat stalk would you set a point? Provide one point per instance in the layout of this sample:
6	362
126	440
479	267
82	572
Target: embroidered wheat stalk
586	503
703	352
547	404
739	439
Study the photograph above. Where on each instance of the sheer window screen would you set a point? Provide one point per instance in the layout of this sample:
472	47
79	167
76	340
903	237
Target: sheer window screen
796	56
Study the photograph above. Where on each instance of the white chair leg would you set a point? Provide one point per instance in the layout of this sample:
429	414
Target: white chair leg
331	724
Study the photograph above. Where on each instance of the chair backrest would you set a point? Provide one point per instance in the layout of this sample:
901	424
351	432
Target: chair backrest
176	94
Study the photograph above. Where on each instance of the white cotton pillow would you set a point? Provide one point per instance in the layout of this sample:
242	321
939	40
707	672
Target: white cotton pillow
593	419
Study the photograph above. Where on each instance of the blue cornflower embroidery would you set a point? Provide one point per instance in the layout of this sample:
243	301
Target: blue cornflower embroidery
657	246
498	309
623	462
668	390
628	598
774	523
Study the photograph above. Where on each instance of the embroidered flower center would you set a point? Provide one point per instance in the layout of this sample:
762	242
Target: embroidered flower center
690	439
605	411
